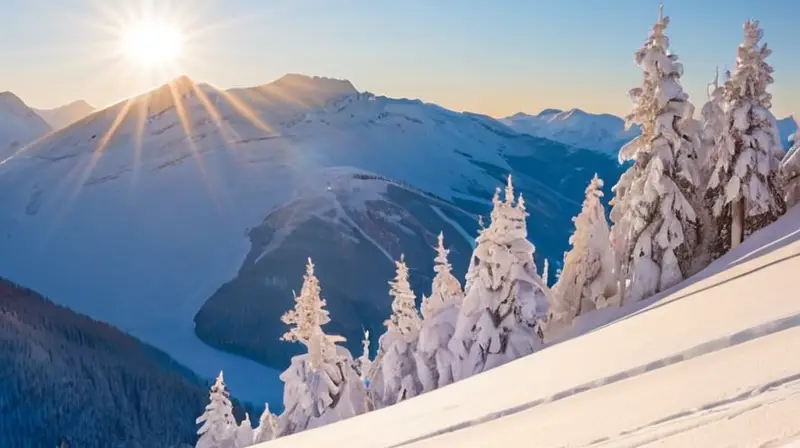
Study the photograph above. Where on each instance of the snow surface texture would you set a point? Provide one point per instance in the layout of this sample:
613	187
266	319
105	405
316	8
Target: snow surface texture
602	132
664	373
19	125
62	116
140	226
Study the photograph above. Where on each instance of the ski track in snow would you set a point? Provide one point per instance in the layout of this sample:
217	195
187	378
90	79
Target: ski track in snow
725	409
694	352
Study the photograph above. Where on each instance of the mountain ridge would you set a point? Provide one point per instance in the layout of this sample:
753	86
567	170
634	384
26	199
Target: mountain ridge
601	131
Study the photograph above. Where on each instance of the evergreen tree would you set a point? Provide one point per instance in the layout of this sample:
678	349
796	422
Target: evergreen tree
309	313
434	359
744	193
790	168
321	386
545	270
587	281
395	377
471	272
218	427
267	426
244	433
405	317
713	114
501	316
364	363
654	212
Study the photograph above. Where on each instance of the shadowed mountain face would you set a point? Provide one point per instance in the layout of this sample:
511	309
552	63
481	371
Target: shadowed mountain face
165	204
353	232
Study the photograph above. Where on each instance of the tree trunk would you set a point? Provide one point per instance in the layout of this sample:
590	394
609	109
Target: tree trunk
621	284
737	222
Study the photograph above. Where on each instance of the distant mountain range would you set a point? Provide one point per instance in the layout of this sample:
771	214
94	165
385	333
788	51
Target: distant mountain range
62	116
602	132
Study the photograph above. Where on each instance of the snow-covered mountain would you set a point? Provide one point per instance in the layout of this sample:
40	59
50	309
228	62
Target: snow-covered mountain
786	127
602	132
63	116
189	211
658	372
19	125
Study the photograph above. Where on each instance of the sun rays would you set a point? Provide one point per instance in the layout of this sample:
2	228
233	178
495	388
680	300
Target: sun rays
150	44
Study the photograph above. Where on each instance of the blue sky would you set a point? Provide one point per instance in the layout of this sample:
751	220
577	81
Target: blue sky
494	57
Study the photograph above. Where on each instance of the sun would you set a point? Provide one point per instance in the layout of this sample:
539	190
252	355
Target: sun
152	43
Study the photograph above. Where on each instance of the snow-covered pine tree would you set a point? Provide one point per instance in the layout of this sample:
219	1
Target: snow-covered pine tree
744	191
364	363
267	426
395	376
713	113
656	229
434	359
587	281
502	314
321	386
471	273
790	169
545	271
244	433
218	427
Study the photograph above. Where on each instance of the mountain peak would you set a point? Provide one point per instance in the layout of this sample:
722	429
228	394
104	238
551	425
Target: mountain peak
167	95
572	113
79	104
297	81
549	111
9	98
12	104
62	116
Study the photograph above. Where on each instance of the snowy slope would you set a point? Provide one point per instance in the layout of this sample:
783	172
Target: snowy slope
62	116
142	226
711	364
603	132
19	125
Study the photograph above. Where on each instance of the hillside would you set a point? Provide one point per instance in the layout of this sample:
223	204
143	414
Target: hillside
19	125
68	377
202	192
704	364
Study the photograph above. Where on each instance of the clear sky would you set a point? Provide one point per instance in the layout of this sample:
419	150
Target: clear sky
494	57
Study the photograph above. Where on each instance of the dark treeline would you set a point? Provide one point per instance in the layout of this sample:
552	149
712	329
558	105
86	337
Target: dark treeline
65	377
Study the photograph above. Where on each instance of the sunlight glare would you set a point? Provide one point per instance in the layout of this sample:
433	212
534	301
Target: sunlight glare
153	43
